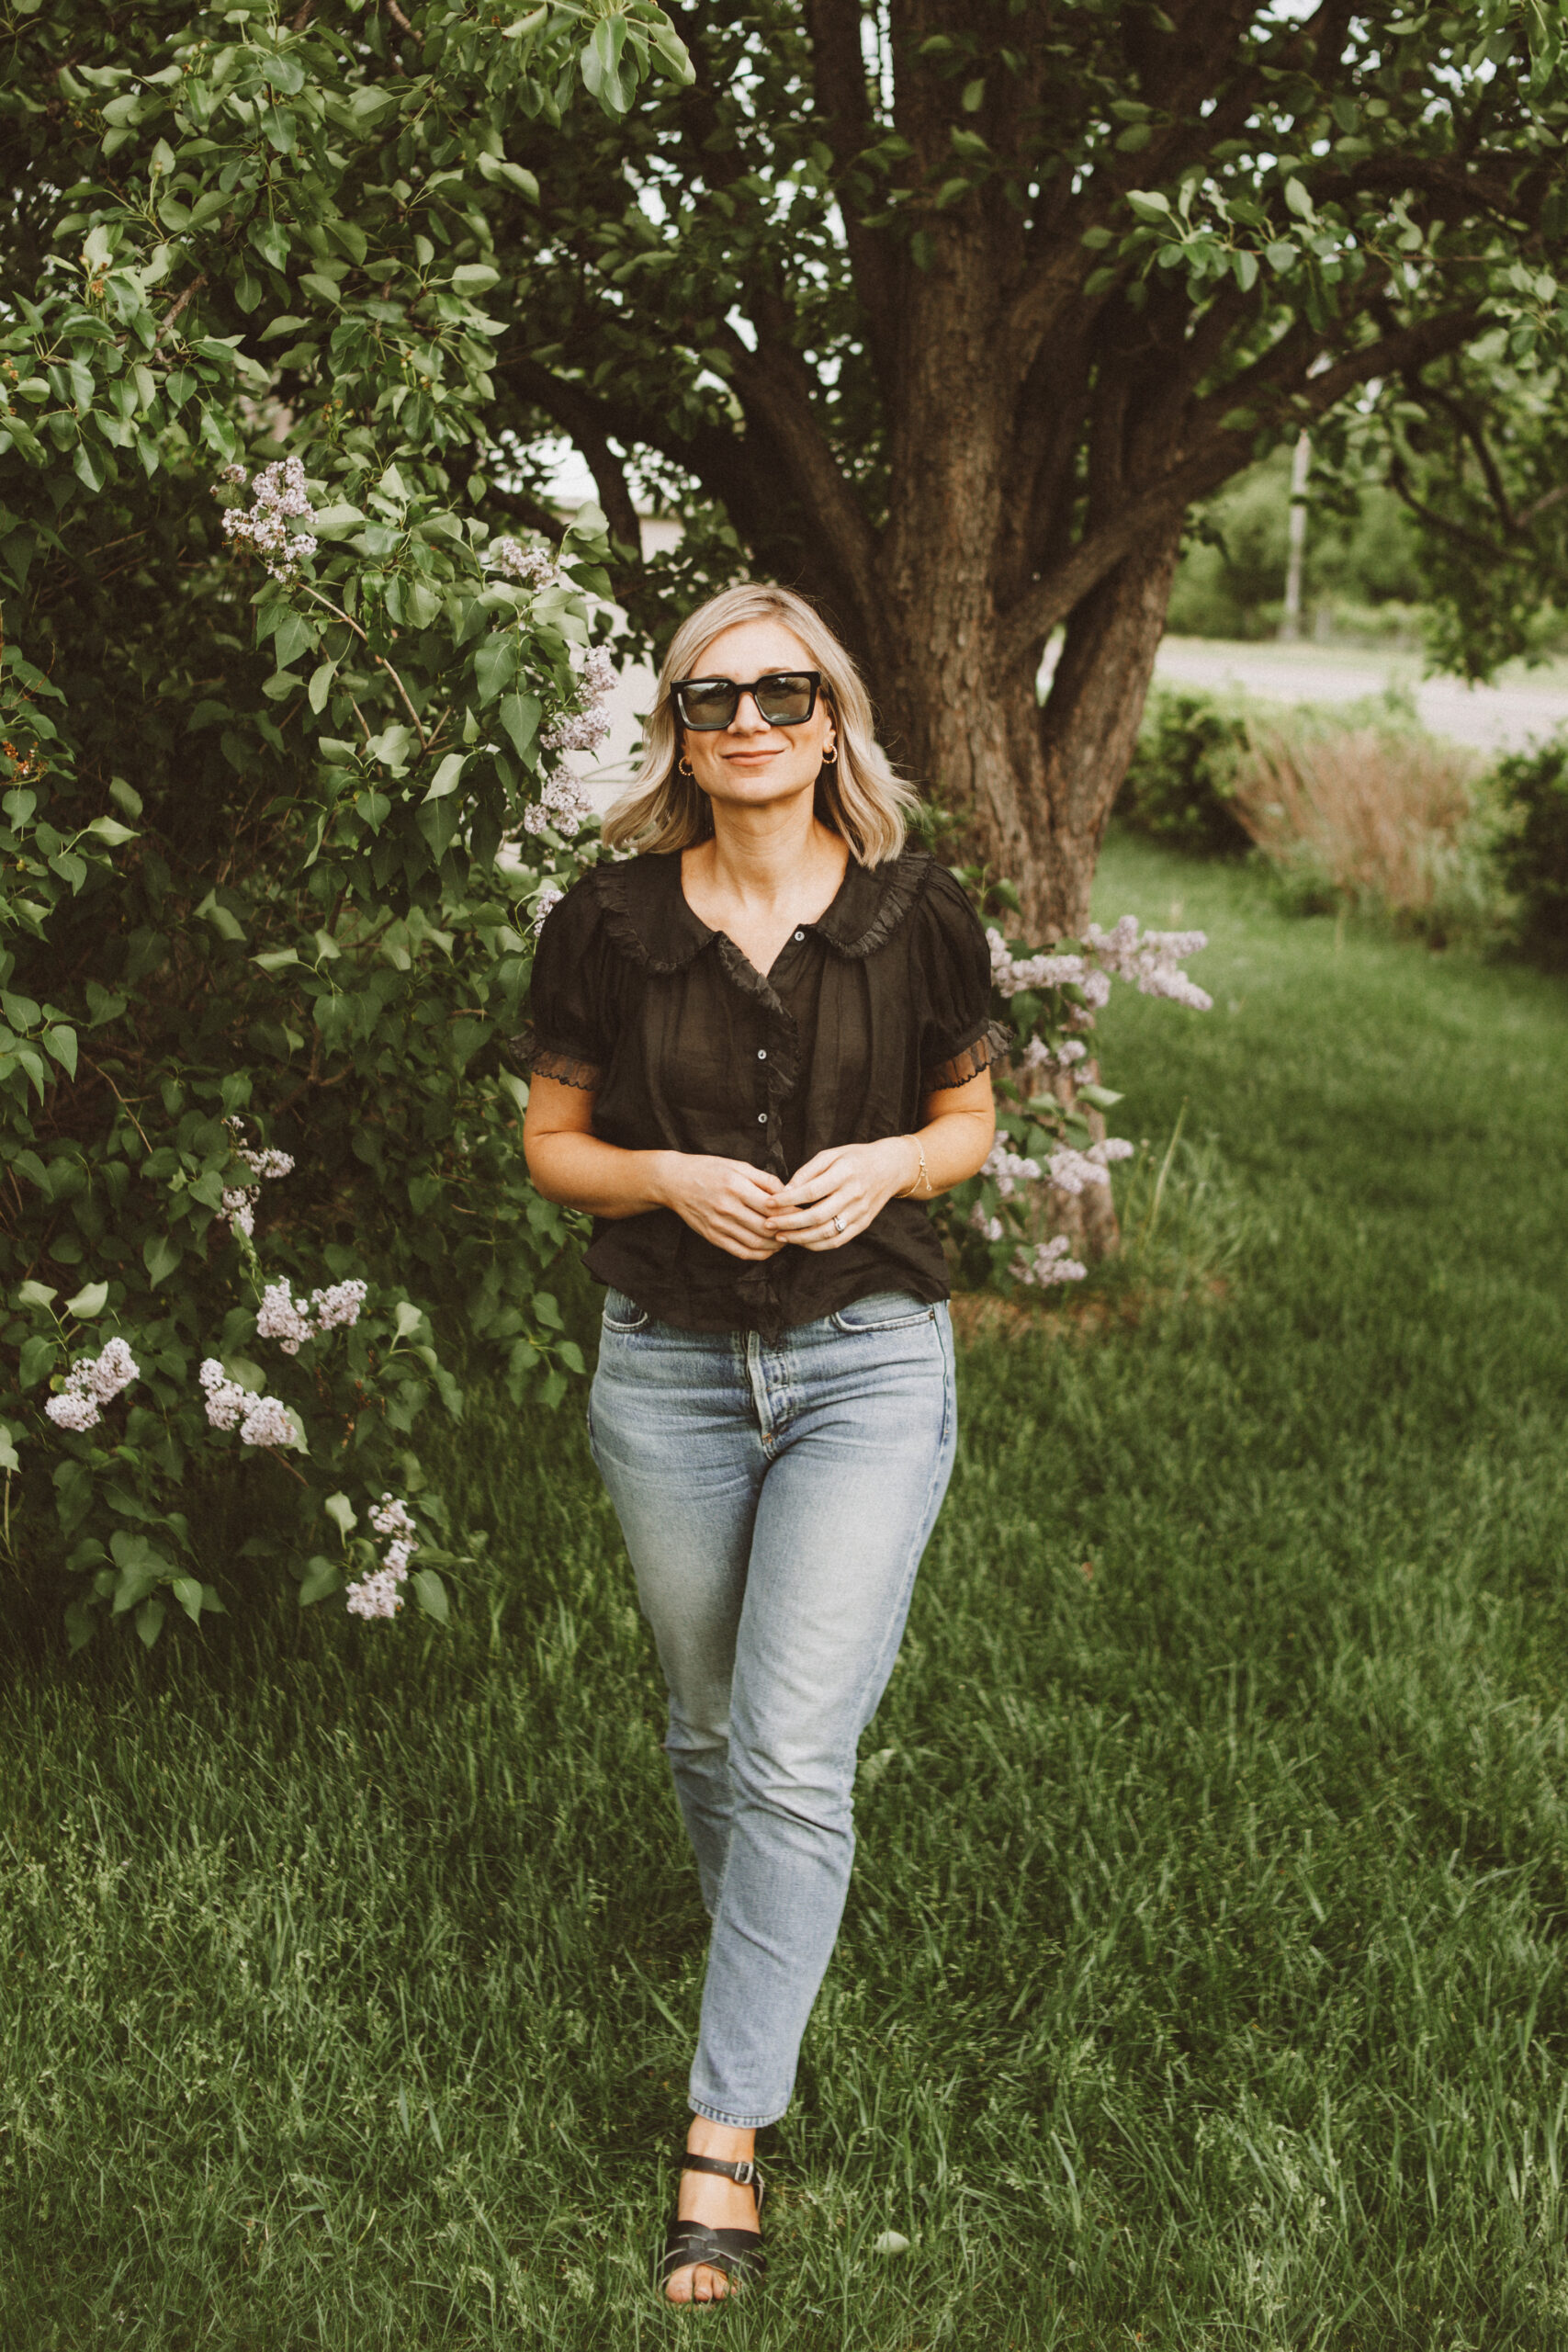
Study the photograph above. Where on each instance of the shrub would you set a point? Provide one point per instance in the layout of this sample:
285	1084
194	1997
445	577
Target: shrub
1374	817
281	793
1532	847
1180	785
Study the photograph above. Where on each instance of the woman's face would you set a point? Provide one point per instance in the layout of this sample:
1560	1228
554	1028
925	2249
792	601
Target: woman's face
750	762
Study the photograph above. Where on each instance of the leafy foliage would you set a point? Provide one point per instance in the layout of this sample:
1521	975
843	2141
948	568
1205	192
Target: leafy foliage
1180	787
1533	849
946	312
281	803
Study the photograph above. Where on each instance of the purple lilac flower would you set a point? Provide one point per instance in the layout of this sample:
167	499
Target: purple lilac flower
526	566
278	497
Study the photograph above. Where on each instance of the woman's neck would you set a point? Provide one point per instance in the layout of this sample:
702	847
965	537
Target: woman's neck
768	857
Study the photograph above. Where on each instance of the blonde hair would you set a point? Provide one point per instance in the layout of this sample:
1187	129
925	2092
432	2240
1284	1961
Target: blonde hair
859	796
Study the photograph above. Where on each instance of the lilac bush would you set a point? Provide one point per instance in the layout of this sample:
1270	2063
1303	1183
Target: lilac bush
1045	1152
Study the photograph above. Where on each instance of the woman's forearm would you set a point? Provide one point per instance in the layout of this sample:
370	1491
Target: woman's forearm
581	1171
955	1144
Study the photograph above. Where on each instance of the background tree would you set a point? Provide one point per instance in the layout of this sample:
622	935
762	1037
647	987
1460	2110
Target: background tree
280	795
949	310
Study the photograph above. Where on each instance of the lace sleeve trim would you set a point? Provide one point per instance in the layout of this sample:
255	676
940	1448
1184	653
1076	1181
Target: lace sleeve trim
567	1070
993	1045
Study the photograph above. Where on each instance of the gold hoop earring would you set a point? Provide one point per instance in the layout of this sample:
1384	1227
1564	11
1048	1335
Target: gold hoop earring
830	756
686	767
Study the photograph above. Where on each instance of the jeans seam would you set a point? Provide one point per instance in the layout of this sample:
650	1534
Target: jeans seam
927	1522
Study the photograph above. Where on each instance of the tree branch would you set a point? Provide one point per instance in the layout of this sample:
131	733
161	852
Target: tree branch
843	111
583	417
775	385
1204	468
177	306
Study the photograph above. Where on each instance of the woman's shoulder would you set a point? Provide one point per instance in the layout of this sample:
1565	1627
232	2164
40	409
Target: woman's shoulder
633	906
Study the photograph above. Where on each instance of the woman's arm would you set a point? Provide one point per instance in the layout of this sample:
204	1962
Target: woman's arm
724	1200
856	1180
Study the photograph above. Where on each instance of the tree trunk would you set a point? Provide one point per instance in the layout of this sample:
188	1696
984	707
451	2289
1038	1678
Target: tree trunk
1033	787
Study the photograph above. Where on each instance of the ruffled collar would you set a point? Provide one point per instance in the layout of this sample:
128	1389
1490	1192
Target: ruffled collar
647	915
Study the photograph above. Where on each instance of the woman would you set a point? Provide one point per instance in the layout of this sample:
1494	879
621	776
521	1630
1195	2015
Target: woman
760	1045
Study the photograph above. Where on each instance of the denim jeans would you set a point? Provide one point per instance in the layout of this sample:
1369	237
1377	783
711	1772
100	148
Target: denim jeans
775	1498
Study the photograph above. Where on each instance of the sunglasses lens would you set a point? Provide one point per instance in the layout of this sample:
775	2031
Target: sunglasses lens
785	700
709	703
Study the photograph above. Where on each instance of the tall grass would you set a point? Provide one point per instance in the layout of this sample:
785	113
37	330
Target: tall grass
1200	1982
1375	816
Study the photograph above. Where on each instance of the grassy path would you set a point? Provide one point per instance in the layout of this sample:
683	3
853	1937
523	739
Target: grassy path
1201	1983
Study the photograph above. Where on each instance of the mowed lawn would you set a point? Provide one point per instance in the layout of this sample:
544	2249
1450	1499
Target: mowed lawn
1200	1982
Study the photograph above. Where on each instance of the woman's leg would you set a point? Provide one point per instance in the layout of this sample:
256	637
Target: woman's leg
857	1415
675	1437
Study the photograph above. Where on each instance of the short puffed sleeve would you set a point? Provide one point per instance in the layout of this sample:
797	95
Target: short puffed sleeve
570	1027
958	1037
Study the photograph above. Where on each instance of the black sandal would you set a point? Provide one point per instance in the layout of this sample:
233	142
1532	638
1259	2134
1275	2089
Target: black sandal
738	2253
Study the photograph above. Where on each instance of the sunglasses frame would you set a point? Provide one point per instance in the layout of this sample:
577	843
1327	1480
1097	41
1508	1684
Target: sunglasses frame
679	686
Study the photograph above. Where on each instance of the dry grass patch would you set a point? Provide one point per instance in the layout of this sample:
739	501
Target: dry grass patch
1367	815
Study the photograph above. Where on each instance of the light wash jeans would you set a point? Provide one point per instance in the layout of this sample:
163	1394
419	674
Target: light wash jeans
775	1498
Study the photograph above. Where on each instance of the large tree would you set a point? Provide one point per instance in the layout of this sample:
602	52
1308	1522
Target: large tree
948	311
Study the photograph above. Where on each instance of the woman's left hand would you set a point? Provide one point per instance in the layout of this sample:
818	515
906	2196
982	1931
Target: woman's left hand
837	1194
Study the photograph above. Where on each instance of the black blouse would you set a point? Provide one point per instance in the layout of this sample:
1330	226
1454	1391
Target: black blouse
882	1000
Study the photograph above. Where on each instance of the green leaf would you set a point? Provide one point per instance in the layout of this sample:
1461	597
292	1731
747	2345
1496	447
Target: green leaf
335	521
474	278
1281	255
496	664
89	1302
1149	204
1244	267
36	1294
150	1620
520	715
430	1594
9	1458
408	1318
549	1313
110	829
160	1255
1298	199
276	959
121	794
322	1576
187	1592
37	1354
342	1513
61	1043
448	775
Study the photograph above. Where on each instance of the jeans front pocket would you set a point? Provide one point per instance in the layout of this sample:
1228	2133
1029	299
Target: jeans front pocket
884	1310
623	1315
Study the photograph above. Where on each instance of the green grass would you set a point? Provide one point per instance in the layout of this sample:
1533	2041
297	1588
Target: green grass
1200	1982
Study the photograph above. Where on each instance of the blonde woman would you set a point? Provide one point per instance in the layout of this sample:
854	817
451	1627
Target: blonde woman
762	1045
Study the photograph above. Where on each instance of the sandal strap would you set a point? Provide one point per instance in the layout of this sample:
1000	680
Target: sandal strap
731	2251
744	2173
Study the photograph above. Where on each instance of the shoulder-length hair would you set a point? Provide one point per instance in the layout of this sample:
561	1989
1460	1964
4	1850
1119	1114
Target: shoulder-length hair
858	795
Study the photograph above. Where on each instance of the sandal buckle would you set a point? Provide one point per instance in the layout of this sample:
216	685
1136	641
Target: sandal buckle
744	2174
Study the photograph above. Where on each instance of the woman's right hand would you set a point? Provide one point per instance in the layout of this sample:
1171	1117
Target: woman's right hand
724	1200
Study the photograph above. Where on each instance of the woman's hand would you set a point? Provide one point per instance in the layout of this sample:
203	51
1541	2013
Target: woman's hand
724	1200
837	1194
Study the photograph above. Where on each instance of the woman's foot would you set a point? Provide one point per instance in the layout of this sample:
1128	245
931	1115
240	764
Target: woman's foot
721	2204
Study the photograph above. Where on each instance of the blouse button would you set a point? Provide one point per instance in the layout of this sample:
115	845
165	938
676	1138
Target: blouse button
762	1053
762	1118
800	935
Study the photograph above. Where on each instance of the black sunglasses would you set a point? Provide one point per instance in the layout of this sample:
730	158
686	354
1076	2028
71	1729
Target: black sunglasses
783	698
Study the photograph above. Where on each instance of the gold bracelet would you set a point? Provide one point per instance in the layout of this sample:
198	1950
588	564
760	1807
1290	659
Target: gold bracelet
922	1176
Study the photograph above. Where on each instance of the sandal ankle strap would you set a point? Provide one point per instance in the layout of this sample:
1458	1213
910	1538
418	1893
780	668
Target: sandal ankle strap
745	2174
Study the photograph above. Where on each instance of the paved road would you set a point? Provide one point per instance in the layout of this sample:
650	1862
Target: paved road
1492	718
